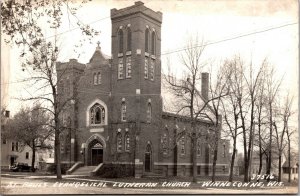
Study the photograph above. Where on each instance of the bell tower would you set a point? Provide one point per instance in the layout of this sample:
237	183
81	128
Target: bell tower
136	77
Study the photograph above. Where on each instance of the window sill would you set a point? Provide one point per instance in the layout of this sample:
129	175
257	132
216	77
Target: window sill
153	56
147	54
128	53
120	54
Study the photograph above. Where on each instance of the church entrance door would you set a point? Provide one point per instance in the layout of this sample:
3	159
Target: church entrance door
148	160
97	154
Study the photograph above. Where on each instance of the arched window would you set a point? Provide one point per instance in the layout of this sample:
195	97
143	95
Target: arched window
148	158
147	40
182	145
97	114
164	141
149	112
99	78
123	111
12	146
119	142
95	79
128	39
120	35
153	43
127	142
199	147
148	148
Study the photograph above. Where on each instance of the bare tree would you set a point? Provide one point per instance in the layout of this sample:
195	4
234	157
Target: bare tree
272	89
284	117
25	23
231	111
245	83
260	116
191	99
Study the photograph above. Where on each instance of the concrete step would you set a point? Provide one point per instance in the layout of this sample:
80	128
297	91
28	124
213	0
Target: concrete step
86	170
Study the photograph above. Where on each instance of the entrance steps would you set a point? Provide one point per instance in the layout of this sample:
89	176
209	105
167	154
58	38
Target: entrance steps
84	171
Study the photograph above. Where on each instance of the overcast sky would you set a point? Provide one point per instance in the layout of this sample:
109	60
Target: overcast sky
213	20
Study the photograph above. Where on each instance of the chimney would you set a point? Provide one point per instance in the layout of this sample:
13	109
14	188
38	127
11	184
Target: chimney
204	85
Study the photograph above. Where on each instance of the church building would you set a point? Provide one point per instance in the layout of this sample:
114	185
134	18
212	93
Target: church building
113	107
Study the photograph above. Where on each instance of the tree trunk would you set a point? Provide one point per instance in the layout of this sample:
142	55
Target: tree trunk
194	157
232	160
215	154
289	158
260	148
57	155
270	144
33	156
279	168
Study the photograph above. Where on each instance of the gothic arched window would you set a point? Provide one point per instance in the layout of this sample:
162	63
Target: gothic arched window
149	112
182	145
119	142
127	142
123	111
153	43
97	114
199	147
120	35
148	148
164	141
128	39
147	40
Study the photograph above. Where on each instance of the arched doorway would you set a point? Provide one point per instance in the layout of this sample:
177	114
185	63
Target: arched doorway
95	153
148	158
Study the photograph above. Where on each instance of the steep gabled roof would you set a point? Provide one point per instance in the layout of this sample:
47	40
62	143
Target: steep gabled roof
99	57
293	163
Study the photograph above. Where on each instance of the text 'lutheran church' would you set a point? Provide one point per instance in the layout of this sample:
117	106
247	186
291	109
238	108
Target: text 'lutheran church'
114	112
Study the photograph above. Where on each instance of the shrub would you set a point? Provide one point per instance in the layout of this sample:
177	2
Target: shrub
52	168
115	170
